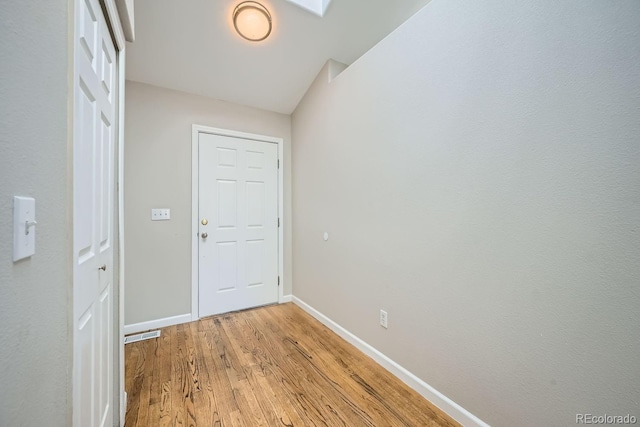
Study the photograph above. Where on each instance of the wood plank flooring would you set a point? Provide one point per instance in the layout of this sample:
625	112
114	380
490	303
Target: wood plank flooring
269	366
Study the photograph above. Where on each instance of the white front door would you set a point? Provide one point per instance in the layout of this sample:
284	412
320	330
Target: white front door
93	216
238	223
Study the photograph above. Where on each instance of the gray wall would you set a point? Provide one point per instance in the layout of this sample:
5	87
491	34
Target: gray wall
35	294
477	172
158	175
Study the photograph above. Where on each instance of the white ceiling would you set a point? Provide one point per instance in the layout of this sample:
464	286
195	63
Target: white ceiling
190	45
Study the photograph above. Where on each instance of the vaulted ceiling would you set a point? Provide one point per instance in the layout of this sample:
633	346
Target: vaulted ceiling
190	45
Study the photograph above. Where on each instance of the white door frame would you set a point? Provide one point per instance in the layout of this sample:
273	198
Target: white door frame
117	33
115	24
195	173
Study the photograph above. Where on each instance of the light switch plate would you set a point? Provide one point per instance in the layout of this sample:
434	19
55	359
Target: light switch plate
24	227
160	214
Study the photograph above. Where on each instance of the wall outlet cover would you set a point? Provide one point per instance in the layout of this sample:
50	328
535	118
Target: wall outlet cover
384	320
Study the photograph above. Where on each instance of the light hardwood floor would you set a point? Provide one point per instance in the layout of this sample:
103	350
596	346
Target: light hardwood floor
269	366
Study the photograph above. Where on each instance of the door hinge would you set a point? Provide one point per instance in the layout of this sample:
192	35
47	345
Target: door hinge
278	222
278	280
278	163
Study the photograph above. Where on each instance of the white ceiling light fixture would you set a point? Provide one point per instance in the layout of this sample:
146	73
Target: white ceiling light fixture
252	21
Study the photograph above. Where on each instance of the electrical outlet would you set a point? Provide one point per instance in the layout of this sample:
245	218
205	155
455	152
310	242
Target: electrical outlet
160	214
384	319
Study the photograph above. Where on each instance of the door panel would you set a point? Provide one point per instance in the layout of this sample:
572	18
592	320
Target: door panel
105	183
255	262
82	364
238	196
105	356
93	217
227	204
255	204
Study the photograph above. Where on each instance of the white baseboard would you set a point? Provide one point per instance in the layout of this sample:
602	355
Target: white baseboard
447	405
173	320
156	324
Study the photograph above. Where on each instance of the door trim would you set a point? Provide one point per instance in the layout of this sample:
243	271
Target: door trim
196	130
117	32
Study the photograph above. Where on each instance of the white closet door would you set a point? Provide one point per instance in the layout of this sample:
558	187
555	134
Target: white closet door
93	216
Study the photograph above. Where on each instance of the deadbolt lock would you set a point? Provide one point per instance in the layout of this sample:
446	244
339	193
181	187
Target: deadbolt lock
205	222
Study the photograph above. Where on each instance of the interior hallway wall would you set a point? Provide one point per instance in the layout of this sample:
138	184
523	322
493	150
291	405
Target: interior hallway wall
157	170
477	173
35	293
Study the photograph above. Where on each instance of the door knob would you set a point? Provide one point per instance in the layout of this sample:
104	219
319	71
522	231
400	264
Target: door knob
204	235
103	267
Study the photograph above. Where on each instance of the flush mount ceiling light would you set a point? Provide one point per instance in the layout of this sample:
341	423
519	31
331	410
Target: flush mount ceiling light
252	21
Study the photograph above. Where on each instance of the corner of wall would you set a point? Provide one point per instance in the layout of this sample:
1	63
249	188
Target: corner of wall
434	397
334	68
